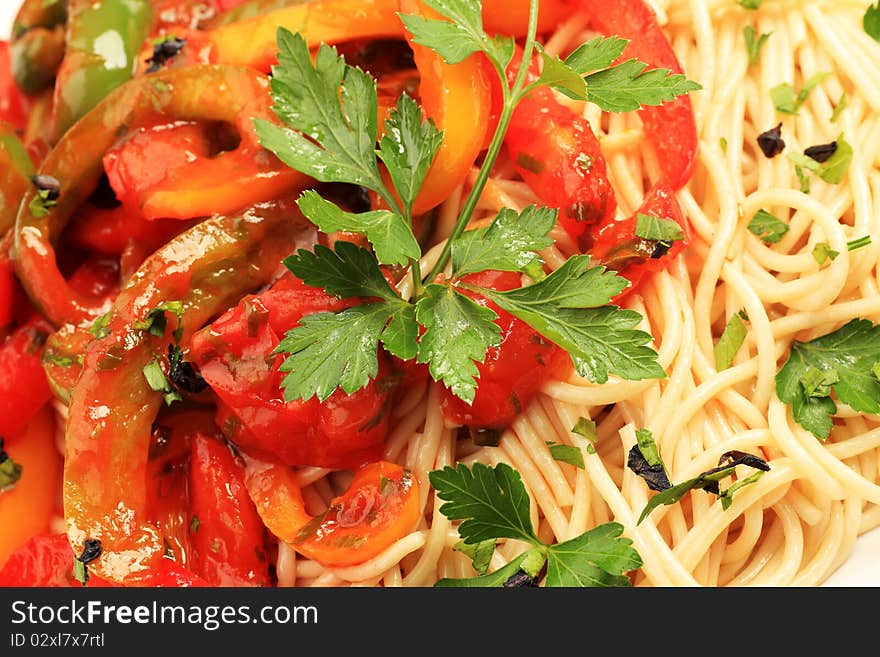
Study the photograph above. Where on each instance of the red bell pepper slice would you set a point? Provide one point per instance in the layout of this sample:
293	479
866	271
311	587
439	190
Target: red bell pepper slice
227	533
14	105
23	385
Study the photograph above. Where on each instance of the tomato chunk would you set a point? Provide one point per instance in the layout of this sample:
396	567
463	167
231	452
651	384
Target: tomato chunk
235	356
617	247
512	373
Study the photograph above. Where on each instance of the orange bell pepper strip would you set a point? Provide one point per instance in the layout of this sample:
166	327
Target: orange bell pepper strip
112	407
26	509
252	42
380	507
227	183
458	98
512	16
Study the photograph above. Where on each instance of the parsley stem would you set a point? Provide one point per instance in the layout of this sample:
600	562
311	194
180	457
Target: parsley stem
512	96
406	213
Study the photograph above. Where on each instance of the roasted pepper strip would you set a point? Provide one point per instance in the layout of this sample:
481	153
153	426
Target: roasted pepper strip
512	16
112	407
458	98
16	169
226	183
103	41
379	508
248	10
14	105
252	42
26	509
37	47
670	128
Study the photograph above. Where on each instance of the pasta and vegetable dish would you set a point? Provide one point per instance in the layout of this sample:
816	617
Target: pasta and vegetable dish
438	292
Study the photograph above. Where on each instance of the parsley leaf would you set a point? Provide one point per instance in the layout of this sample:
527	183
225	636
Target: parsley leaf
42	202
332	110
155	322
871	21
708	481
629	86
596	54
831	170
350	271
509	243
388	232
650	227
599	340
749	4
99	327
401	337
567	454
492	503
494	579
823	252
595	558
408	148
644	459
754	43
558	74
767	227
159	383
458	332
858	243
851	353
333	350
730	342
841	105
457	40
784	99
479	553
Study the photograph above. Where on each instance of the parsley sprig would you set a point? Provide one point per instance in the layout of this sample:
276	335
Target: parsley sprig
329	131
845	362
493	504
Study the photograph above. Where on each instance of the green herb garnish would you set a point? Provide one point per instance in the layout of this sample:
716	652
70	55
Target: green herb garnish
754	43
493	504
329	132
767	228
847	359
